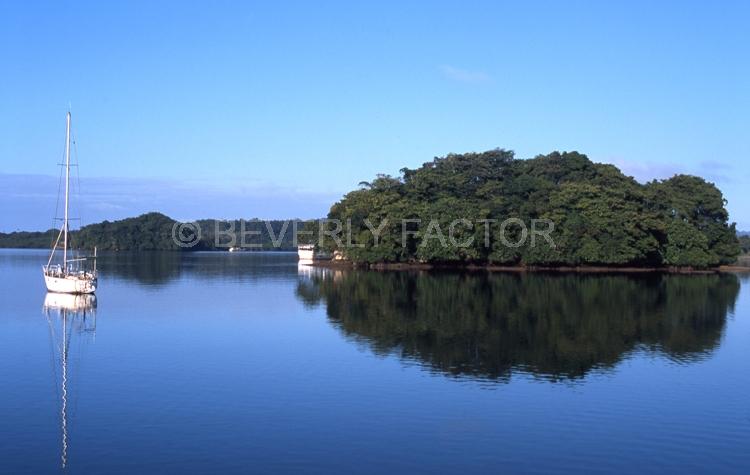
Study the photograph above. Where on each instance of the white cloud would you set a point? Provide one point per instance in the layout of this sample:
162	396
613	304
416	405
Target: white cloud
713	171
29	201
464	75
647	171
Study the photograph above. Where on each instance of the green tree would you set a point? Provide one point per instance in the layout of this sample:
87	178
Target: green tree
600	216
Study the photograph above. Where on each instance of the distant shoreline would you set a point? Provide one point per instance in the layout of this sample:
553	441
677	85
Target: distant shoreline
416	266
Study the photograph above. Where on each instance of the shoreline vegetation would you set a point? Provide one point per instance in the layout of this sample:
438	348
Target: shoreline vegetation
598	220
601	218
157	232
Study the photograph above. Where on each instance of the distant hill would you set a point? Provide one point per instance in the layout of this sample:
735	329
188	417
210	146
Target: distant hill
28	239
743	233
154	232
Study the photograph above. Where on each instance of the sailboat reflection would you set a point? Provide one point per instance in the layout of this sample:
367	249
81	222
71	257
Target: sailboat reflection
68	315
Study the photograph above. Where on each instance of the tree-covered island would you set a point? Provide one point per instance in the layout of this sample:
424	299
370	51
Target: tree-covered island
600	216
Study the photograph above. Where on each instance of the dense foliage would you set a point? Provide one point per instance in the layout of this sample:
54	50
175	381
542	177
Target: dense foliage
28	239
156	232
148	232
600	216
745	244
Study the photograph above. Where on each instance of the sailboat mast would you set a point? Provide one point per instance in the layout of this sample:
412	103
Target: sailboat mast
67	191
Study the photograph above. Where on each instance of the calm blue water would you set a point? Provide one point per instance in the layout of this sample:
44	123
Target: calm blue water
243	363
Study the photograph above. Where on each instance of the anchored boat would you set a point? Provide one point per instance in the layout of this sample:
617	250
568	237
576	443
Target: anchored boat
68	276
308	253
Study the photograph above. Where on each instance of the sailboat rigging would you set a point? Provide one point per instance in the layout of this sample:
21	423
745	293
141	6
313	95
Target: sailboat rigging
63	278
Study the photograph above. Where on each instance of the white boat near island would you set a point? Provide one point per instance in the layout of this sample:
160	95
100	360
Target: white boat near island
308	253
68	276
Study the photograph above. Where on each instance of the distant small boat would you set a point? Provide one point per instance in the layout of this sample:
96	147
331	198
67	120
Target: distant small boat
62	278
307	254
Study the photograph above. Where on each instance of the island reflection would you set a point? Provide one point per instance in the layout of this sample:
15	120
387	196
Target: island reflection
556	327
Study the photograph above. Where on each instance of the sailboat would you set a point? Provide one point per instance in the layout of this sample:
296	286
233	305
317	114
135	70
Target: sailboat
63	278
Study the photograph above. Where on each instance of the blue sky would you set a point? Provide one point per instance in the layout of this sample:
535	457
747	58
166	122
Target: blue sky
235	109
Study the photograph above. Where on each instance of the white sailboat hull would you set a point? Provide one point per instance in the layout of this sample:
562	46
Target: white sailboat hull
70	284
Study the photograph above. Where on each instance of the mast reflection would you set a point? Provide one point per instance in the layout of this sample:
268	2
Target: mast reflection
68	316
